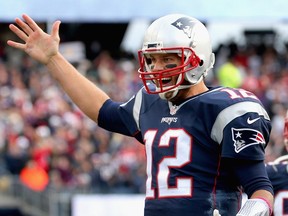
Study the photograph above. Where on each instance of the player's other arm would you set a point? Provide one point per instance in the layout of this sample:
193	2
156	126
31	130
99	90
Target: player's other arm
253	177
44	48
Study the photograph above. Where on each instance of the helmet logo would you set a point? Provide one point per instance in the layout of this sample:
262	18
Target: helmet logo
185	24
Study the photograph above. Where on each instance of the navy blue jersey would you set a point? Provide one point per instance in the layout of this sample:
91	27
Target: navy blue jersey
278	174
185	146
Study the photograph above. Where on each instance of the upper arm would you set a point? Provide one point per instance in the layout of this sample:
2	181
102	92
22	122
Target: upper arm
110	119
115	118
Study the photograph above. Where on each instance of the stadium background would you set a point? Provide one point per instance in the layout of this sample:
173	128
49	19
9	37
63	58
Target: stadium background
53	160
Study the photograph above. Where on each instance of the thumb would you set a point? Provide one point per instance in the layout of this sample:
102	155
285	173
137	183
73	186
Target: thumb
55	28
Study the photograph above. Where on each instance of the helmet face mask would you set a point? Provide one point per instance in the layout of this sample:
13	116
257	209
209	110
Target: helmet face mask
147	74
182	35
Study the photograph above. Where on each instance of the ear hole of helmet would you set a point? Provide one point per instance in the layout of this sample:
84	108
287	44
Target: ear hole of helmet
201	62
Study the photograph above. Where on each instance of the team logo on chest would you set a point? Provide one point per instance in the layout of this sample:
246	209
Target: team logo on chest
246	137
173	109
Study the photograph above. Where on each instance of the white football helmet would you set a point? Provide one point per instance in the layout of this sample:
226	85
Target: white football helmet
181	34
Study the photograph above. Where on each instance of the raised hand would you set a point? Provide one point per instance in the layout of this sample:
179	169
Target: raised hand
38	44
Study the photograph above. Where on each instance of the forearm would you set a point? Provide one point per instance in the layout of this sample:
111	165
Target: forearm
85	94
253	177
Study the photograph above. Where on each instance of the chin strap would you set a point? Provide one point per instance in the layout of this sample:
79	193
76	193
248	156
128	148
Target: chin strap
176	90
166	95
173	91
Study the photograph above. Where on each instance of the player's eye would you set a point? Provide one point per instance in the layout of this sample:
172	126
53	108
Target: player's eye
148	60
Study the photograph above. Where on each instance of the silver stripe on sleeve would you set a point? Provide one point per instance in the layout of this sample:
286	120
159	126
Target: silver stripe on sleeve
232	112
136	108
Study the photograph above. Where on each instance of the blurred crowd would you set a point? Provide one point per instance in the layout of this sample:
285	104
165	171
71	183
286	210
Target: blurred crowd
47	141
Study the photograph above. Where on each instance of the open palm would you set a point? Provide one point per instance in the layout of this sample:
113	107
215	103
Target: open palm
38	44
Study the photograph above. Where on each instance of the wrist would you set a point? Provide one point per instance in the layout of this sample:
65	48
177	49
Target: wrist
269	205
53	59
255	207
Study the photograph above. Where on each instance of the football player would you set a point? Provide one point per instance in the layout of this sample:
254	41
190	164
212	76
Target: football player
202	143
278	174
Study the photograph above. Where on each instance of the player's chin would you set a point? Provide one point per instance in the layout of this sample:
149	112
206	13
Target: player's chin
169	95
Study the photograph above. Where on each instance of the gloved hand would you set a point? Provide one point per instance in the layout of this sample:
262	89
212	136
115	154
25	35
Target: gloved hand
255	207
216	212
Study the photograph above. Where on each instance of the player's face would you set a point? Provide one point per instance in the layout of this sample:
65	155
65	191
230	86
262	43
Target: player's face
161	62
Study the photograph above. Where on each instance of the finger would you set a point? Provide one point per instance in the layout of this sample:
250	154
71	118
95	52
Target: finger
31	23
55	29
16	45
18	32
24	26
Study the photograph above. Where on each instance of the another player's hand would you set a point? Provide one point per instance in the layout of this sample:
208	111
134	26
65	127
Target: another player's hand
38	44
